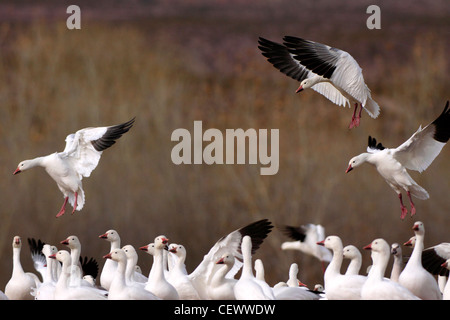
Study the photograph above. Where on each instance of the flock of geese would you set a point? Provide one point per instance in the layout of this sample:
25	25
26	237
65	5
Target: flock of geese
329	71
65	275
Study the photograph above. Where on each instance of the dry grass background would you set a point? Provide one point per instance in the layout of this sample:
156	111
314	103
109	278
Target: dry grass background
169	64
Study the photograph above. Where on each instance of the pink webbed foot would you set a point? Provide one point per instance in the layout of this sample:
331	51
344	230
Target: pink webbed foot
63	208
403	208
355	118
413	208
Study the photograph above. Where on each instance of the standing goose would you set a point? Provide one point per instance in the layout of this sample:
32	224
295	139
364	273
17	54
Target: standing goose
20	285
329	71
414	276
377	287
109	268
80	157
416	153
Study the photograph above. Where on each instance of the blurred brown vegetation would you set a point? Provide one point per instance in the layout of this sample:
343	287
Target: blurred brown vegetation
200	61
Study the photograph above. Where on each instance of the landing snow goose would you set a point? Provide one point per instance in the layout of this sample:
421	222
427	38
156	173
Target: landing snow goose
80	157
329	71
377	287
414	277
306	238
109	267
247	287
398	264
230	244
157	282
120	289
337	285
21	283
64	291
178	276
354	255
417	153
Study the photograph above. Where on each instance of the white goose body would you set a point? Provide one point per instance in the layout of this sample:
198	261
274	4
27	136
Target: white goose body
80	157
416	153
332	72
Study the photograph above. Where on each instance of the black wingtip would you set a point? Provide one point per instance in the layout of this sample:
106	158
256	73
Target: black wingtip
257	231
442	125
295	233
372	143
112	134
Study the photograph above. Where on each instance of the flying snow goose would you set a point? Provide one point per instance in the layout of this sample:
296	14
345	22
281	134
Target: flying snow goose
399	264
414	277
306	238
329	71
157	282
337	285
63	291
417	153
178	276
230	244
247	287
21	283
221	286
109	267
80	157
354	255
120	289
377	287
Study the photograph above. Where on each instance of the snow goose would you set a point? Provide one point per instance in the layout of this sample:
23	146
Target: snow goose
221	286
377	287
446	291
230	244
131	274
414	277
247	287
329	71
21	283
63	291
306	238
354	255
157	283
398	264
178	276
38	258
293	288
80	157
339	286
432	260
80	266
109	267
46	290
417	153
120	289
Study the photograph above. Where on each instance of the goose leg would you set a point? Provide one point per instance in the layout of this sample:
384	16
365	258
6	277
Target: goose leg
358	119
413	208
63	208
355	120
404	210
75	204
